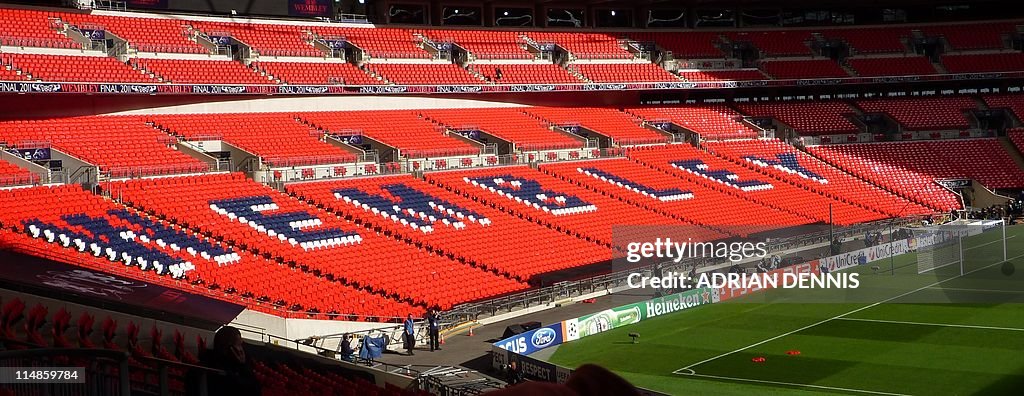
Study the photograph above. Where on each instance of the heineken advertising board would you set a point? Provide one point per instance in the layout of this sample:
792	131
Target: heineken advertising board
625	315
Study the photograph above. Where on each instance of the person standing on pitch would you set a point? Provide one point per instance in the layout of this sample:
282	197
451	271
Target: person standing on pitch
410	335
434	330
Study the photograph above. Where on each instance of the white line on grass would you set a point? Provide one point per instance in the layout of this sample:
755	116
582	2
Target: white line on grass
690	367
979	290
933	324
989	243
832	388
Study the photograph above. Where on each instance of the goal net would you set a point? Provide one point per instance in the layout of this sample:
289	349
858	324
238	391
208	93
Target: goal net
960	247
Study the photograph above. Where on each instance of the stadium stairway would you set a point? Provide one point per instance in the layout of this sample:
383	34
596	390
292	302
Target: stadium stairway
1013	150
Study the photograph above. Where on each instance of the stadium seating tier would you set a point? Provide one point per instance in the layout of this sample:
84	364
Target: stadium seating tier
800	69
121	146
12	175
609	122
403	129
899	66
191	71
83	229
711	121
511	124
297	233
277	138
924	113
984	160
805	117
75	68
473	232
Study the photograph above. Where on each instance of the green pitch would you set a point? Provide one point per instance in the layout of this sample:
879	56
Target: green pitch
895	340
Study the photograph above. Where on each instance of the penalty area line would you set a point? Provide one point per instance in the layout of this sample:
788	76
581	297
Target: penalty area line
979	290
963	326
793	384
691	366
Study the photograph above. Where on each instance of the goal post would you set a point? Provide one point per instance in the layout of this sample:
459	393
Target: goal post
959	248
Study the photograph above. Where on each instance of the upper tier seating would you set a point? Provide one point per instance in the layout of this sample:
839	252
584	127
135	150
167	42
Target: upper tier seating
785	162
202	71
711	121
924	113
76	68
624	72
558	204
31	28
143	33
901	66
584	45
533	73
295	232
610	122
378	42
798	69
277	138
776	43
984	160
984	63
402	129
975	36
688	45
734	179
95	229
722	75
13	175
675	196
318	73
484	44
871	40
889	175
425	74
813	118
266	39
509	124
120	145
480	235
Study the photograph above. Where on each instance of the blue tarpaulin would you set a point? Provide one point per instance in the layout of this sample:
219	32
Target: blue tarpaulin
372	347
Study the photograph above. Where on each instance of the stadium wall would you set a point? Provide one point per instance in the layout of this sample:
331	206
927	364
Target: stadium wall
297	329
67	105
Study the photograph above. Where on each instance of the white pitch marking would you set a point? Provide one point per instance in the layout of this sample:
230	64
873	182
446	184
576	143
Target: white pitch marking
933	324
836	317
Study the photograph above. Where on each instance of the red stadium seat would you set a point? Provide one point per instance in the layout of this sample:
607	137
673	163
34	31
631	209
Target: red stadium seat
277	138
892	66
924	113
76	68
624	72
811	118
710	121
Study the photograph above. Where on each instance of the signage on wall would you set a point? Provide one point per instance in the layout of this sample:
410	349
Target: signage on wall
309	8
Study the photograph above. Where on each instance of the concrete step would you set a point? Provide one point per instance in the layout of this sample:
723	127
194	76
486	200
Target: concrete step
1015	153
